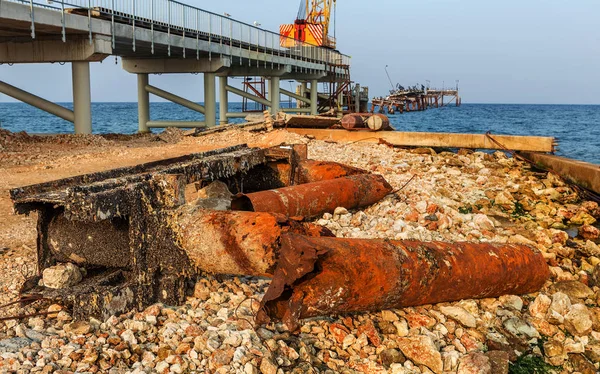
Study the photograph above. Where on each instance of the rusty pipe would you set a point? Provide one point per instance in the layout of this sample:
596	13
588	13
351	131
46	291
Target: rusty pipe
218	242
313	199
279	174
320	276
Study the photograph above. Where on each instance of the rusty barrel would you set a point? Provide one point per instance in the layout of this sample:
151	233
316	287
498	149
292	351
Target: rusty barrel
322	276
378	122
353	121
313	199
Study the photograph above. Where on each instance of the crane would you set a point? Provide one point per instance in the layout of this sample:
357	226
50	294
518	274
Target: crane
311	25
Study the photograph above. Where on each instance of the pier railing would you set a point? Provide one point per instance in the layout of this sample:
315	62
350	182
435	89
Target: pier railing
189	22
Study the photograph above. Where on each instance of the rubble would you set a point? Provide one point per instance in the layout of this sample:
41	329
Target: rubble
206	328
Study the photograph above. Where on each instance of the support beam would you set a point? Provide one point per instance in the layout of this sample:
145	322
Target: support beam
35	51
236	115
274	94
248	96
82	97
437	139
295	110
313	97
210	100
294	96
223	101
174	65
181	124
37	102
143	103
176	99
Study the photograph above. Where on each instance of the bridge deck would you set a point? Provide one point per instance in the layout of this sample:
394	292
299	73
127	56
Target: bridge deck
158	29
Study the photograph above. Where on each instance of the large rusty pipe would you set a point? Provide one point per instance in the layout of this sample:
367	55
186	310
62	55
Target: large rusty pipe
314	199
321	276
218	242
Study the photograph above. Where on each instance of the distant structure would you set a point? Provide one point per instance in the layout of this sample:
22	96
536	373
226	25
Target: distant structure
414	98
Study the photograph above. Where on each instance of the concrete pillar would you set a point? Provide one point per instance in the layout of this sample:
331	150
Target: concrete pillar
143	103
274	94
210	100
223	102
313	97
82	97
357	98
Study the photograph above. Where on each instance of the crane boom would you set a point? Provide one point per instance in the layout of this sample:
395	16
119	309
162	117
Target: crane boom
311	25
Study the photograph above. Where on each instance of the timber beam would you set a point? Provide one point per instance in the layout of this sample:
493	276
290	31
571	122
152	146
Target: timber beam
428	139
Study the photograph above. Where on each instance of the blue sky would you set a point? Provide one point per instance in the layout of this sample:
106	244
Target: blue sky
527	51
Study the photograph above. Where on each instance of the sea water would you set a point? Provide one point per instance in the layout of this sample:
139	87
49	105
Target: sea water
577	127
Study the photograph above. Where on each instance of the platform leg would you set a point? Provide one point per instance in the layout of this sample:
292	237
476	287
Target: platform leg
143	103
82	97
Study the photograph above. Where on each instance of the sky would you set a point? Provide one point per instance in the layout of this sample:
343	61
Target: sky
510	51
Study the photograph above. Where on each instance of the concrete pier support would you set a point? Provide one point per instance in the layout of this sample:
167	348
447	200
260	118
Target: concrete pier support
223	102
143	103
274	94
82	97
210	100
313	97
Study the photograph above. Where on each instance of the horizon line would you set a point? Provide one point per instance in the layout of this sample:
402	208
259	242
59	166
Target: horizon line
239	102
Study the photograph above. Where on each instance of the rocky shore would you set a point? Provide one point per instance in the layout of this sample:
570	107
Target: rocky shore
464	196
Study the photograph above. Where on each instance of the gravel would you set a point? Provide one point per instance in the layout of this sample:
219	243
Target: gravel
464	196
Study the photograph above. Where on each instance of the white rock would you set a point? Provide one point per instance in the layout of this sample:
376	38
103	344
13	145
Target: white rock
578	321
512	301
539	307
459	314
61	276
129	337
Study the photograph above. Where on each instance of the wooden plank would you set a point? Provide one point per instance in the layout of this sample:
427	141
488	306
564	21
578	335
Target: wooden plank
431	139
581	173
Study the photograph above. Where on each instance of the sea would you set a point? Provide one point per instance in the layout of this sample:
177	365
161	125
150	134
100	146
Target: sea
576	127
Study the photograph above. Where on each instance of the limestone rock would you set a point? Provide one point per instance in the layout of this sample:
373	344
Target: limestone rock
421	350
475	363
78	327
391	356
61	276
498	361
573	289
578	321
539	307
459	314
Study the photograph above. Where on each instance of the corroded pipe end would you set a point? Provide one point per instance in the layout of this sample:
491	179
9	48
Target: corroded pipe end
313	199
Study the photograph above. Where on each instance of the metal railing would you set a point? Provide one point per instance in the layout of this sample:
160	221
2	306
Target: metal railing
174	17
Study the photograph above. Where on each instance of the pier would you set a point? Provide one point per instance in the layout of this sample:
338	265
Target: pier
162	37
410	100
